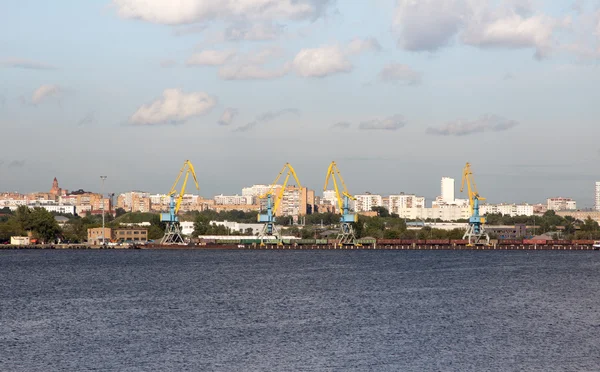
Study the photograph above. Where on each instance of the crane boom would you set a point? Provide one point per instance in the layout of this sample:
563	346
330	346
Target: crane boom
279	196
472	192
332	171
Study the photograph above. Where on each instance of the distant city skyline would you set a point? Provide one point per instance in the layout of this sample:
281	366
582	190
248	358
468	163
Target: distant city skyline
446	185
398	92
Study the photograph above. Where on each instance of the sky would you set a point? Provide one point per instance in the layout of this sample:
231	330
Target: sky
398	92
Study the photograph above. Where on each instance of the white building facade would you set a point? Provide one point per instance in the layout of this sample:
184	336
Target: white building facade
365	202
233	199
561	204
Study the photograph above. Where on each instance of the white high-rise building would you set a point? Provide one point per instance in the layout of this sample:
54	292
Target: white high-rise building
365	202
448	190
597	198
329	196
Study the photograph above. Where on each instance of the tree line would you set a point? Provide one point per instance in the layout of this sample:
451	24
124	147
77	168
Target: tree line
43	226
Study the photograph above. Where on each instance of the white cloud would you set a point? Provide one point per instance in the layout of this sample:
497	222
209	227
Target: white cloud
26	64
396	72
428	25
394	122
514	31
211	58
227	116
358	46
251	65
251	72
191	11
486	123
321	62
45	92
174	107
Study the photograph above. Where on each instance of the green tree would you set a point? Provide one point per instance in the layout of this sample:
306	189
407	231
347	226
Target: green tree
381	211
43	224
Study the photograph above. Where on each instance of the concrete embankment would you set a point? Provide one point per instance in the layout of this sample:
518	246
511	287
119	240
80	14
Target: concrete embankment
321	247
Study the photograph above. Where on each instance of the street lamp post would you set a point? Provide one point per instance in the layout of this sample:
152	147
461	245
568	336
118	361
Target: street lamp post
102	201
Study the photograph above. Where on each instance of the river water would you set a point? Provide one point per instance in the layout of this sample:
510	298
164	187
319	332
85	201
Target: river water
299	311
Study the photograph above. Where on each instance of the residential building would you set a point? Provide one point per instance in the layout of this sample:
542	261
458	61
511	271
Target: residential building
447	187
561	204
507	209
329	198
366	202
233	199
447	213
134	201
394	202
597	196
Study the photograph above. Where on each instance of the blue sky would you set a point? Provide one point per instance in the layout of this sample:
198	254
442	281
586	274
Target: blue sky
399	93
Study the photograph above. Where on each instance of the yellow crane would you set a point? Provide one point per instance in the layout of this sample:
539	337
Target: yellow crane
172	230
269	228
343	197
475	233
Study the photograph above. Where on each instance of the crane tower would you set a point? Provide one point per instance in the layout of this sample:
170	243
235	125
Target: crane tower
475	233
346	233
173	230
274	202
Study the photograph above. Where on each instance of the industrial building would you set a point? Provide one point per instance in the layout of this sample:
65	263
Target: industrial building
136	235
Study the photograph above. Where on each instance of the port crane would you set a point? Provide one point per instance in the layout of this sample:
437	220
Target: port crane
173	230
274	198
346	233
475	233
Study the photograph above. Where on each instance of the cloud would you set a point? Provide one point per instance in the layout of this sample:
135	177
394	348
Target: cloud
89	118
358	46
394	122
514	32
227	116
16	164
321	62
211	58
265	118
44	93
192	11
253	31
486	123
251	72
166	63
250	66
428	25
26	64
396	72
174	107
341	125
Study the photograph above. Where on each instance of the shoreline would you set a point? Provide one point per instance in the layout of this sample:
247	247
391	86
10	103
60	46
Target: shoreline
500	247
